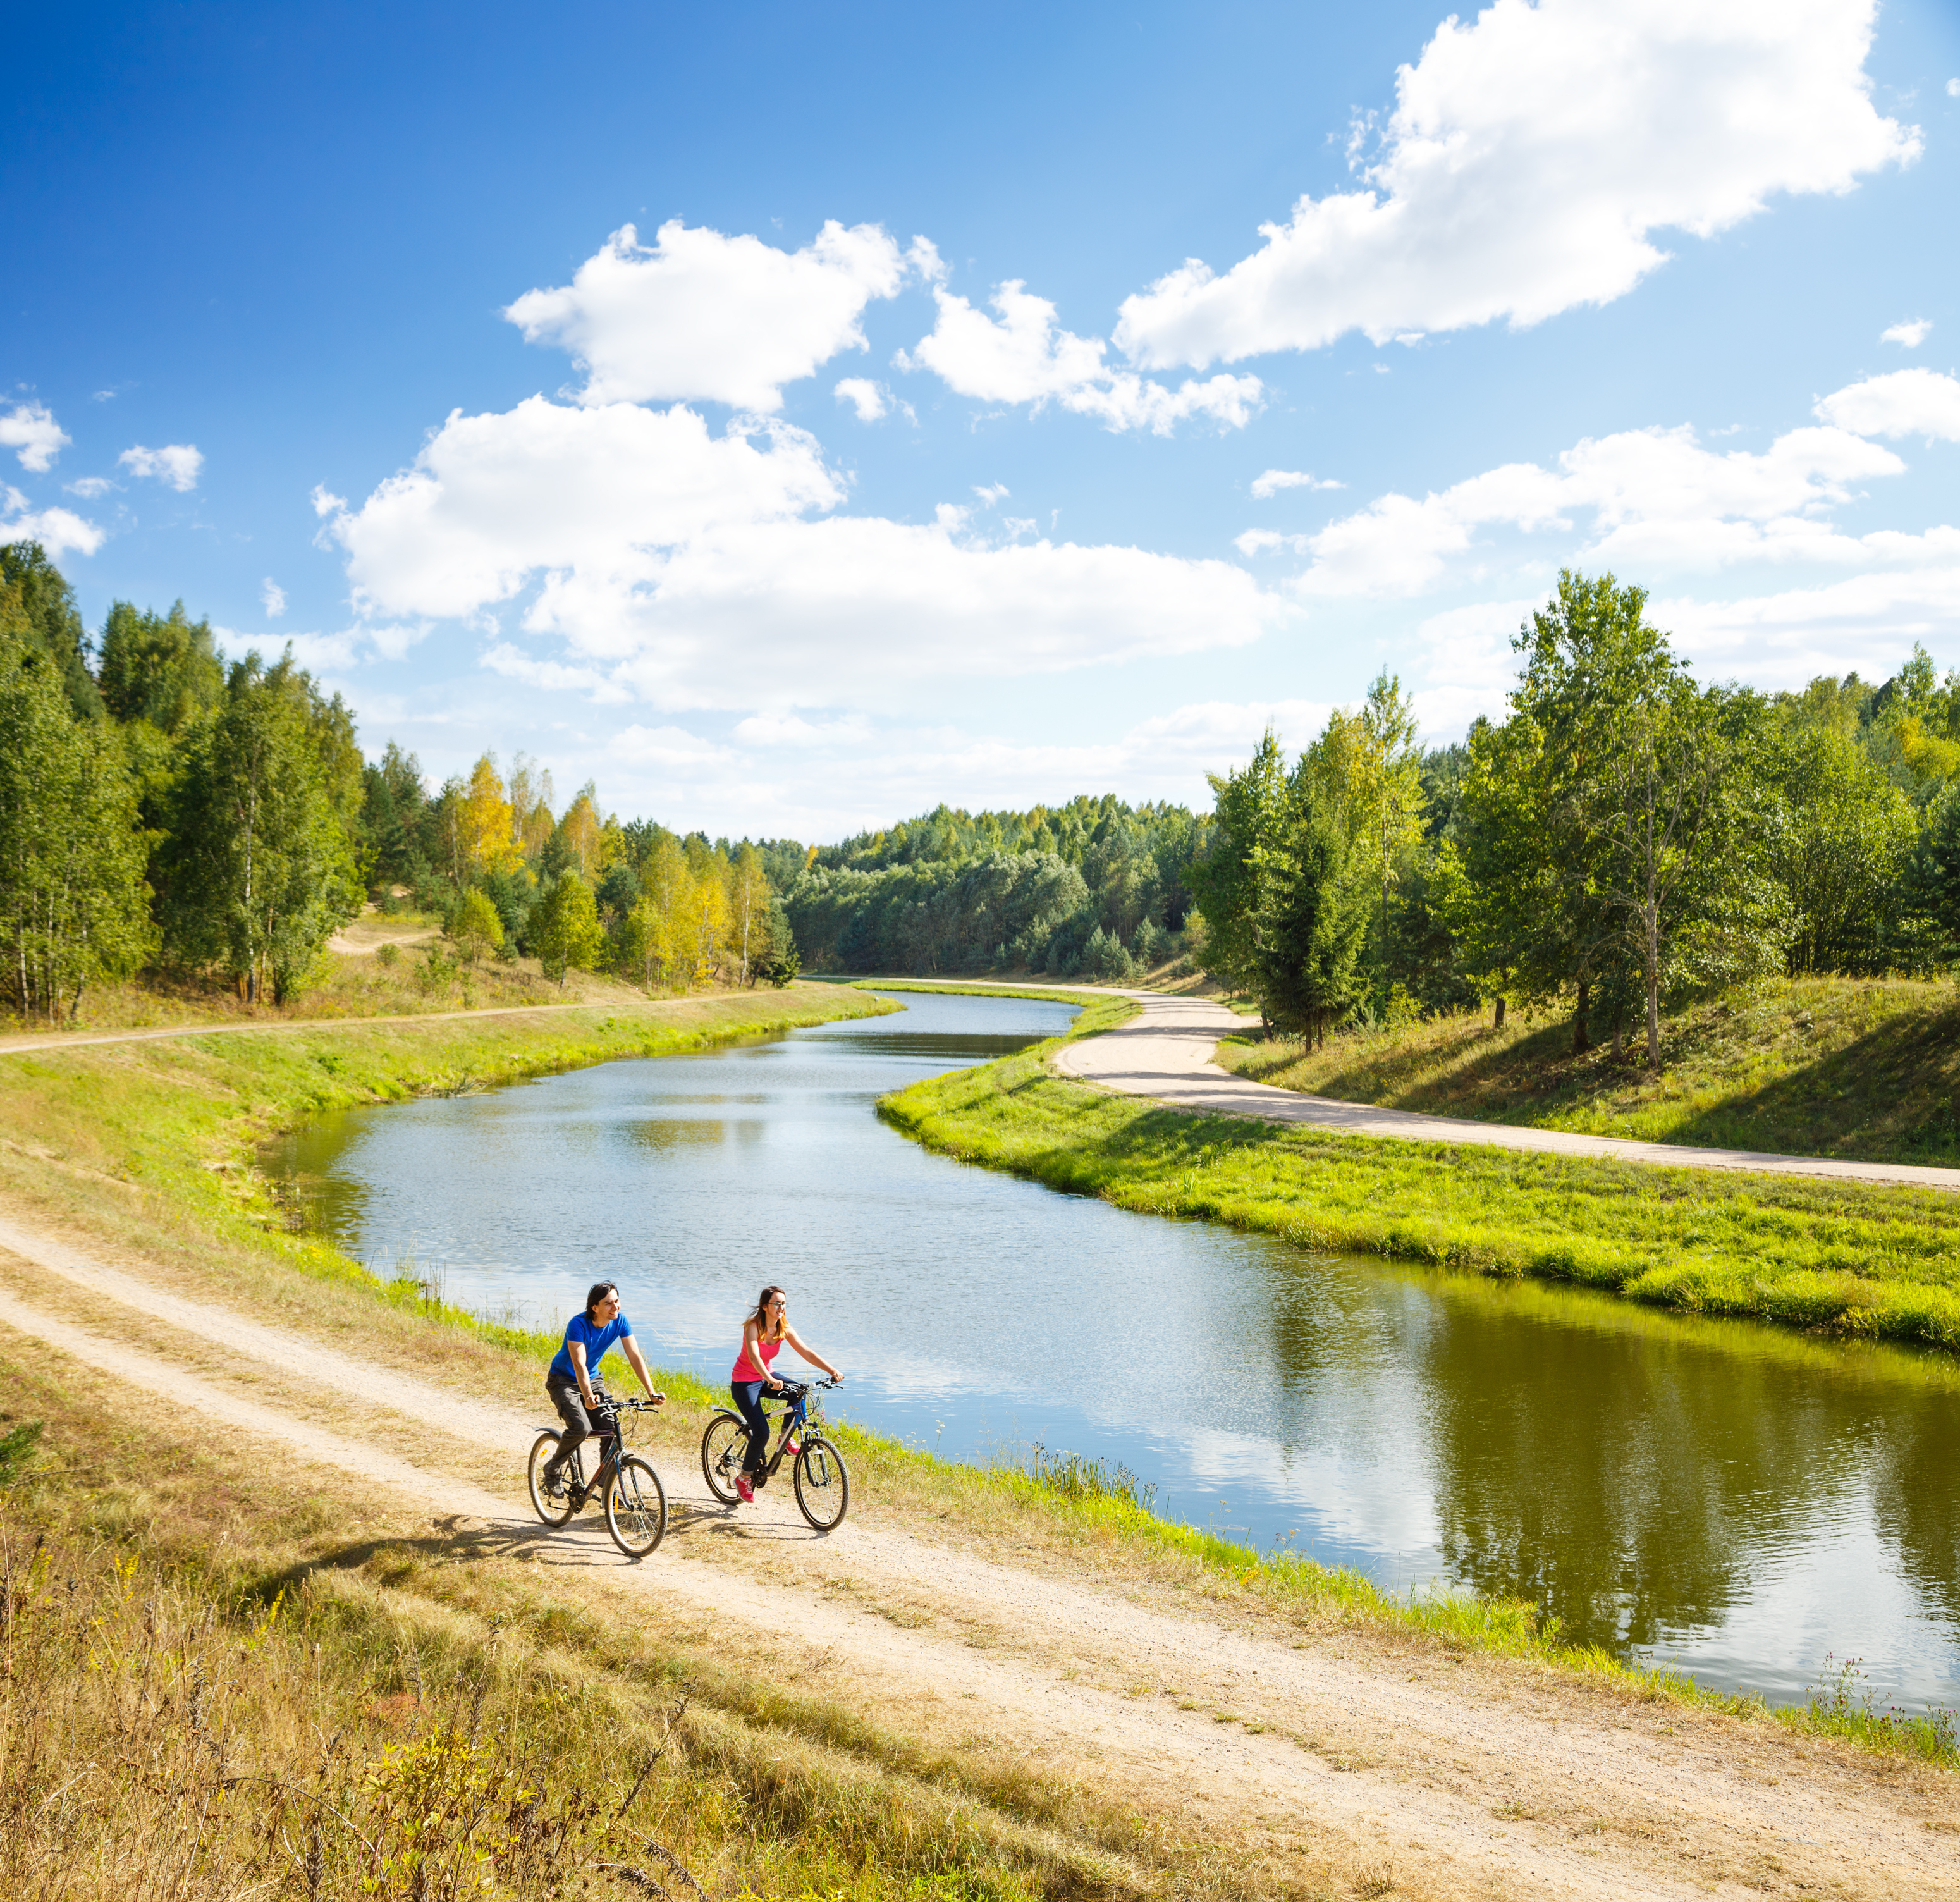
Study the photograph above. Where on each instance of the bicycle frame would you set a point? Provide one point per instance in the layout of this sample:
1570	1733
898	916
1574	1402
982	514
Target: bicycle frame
798	1424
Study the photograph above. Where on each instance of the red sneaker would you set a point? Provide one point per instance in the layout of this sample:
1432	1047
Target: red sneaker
745	1490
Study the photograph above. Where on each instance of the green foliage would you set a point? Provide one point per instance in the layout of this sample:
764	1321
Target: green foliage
477	929
259	870
1313	916
1227	882
567	934
1932	883
73	904
40	609
163	669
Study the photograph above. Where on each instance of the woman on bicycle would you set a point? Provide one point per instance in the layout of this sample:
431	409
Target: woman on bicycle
763	1335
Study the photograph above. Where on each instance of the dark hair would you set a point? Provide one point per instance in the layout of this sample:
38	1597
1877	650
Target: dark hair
597	1293
761	1316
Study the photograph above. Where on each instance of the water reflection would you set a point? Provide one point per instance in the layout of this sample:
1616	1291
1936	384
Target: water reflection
1739	1499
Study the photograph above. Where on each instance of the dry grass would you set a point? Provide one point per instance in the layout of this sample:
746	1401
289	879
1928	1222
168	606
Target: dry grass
1865	1069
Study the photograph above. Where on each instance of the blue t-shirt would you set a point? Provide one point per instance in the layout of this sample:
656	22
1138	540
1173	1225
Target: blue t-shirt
594	1340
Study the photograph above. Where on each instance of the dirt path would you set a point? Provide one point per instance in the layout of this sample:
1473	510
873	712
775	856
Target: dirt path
1442	1778
1166	1054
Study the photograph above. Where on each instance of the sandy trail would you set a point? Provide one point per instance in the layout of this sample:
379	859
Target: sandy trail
1463	1780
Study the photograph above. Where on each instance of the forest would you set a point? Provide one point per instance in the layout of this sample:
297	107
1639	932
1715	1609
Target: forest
1625	836
1622	835
162	809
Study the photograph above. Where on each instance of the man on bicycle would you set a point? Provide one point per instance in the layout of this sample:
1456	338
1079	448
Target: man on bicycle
587	1338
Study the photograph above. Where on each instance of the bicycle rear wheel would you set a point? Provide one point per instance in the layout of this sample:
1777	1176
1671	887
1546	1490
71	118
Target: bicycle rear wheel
553	1511
724	1447
823	1484
636	1508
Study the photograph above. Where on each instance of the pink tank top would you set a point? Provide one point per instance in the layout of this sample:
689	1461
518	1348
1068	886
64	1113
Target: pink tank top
746	1369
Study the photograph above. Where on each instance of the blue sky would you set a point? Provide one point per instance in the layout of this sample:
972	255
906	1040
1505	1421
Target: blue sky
897	453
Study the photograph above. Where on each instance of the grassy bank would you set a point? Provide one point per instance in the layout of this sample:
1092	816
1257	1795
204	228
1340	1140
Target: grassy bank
1840	1257
1862	1069
430	1657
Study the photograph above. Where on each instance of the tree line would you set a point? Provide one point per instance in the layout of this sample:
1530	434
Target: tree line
163	808
1622	835
1095	887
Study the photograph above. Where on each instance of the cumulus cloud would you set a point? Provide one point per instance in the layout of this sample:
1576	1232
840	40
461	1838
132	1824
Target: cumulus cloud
698	570
1269	484
1903	402
699	315
89	488
30	430
1908	336
864	396
1655	497
1532	155
272	598
792	730
1023	356
316	653
176	464
57	530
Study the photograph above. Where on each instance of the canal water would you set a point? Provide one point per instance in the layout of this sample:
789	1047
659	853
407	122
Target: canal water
1744	1503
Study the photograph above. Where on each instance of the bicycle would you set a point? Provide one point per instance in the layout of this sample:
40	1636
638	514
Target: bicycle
822	1480
636	1502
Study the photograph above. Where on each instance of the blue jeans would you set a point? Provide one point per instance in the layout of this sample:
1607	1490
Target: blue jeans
748	1403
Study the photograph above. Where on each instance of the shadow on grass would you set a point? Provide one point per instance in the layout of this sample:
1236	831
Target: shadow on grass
1891	1095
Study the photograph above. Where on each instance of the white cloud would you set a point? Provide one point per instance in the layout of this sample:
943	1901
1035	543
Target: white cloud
176	464
792	730
1464	666
551	677
698	315
1657	497
1266	541
1024	357
325	502
1908	336
272	598
1953	89
1869	622
31	430
89	487
1269	484
687	568
1530	156
863	395
316	653
990	493
57	530
1902	402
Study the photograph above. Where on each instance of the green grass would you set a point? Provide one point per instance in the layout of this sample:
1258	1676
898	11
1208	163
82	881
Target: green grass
1845	1258
1867	1070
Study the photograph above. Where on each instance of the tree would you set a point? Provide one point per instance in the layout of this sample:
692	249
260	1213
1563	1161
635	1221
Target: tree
1227	883
73	903
486	842
1391	803
1314	916
478	930
749	901
636	945
165	669
49	621
258	870
1842	835
1931	886
567	934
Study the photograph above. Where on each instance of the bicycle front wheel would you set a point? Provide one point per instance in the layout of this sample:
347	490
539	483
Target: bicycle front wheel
553	1509
724	1447
823	1484
636	1508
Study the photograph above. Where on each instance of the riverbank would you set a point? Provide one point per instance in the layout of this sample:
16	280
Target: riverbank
1860	1068
1835	1256
986	1685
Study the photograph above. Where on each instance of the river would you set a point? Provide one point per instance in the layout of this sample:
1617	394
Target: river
1738	1500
